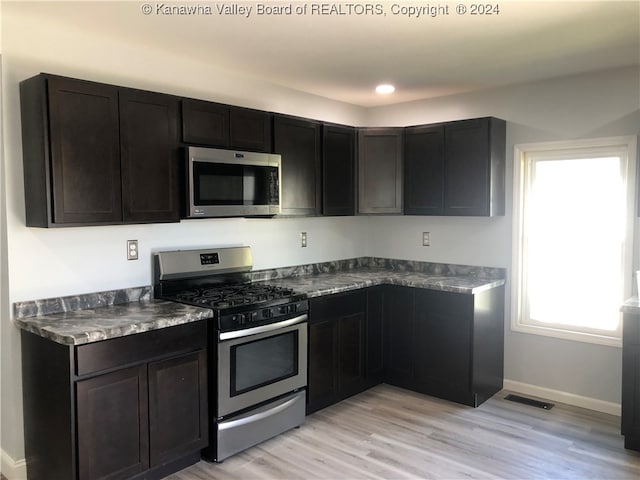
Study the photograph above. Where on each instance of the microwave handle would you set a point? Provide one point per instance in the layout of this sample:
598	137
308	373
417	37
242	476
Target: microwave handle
263	328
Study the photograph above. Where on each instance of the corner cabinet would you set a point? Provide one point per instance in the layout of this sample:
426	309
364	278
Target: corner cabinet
130	407
338	170
97	154
456	168
448	345
380	170
297	140
631	381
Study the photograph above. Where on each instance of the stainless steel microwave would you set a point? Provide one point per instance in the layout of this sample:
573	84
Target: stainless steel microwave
230	183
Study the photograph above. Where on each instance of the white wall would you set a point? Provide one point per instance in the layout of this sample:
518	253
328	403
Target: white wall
596	105
43	263
54	262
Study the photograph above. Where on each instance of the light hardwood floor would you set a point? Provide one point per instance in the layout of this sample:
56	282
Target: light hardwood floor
390	433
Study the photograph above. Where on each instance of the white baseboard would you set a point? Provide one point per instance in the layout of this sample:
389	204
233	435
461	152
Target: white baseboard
563	397
12	469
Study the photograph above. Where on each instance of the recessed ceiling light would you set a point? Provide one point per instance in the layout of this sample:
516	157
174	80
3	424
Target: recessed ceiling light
385	89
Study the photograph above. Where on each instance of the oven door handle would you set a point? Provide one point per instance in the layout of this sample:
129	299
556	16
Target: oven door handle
261	415
263	328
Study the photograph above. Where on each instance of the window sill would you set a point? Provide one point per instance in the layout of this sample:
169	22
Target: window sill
609	341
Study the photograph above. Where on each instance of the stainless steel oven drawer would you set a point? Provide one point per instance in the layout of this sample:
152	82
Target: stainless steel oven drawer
244	431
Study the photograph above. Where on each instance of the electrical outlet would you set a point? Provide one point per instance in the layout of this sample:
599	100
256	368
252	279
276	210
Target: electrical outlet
132	249
426	239
303	239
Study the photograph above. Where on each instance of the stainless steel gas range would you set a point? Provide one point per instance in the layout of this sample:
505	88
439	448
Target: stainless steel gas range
257	344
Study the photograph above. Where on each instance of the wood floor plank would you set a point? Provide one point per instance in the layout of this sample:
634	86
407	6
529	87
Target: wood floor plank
391	433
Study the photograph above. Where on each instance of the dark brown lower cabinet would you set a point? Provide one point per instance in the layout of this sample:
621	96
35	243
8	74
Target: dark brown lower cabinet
337	348
631	382
130	407
459	345
113	424
444	344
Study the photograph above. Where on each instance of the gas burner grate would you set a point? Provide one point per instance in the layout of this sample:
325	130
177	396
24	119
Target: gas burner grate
234	295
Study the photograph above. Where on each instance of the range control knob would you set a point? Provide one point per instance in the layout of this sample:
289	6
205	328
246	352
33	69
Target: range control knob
267	313
284	309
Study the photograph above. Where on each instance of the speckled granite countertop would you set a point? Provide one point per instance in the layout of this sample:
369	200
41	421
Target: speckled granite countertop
91	325
328	283
80	319
631	306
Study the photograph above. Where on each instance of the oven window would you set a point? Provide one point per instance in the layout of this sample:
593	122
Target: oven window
229	184
262	362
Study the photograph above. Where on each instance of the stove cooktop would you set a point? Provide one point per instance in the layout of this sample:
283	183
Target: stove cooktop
241	306
219	279
219	297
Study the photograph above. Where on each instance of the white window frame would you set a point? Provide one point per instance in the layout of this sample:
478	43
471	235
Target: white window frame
626	144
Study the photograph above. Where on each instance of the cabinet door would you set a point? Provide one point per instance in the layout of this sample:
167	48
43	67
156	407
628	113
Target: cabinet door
351	344
443	332
424	170
249	129
177	407
474	167
205	123
375	334
338	170
113	435
149	155
298	142
399	355
323	364
85	152
380	170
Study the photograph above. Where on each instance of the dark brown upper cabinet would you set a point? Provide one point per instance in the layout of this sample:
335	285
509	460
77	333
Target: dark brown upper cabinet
71	152
225	126
380	170
250	129
424	170
93	154
338	170
205	123
149	156
456	168
298	142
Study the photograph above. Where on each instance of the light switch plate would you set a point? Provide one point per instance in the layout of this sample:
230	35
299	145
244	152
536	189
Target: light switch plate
426	239
303	239
132	249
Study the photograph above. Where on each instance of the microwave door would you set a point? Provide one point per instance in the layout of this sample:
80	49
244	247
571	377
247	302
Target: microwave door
249	187
232	184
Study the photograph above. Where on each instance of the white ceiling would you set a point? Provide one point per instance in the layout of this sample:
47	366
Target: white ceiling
343	57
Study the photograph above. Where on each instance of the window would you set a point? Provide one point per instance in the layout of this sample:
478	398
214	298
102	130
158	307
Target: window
573	237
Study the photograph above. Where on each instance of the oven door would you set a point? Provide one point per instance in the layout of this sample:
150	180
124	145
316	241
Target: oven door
258	364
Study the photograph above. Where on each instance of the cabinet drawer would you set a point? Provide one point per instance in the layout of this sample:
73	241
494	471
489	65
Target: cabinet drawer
117	352
337	305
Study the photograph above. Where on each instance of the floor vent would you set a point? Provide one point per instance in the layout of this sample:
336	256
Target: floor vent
529	401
